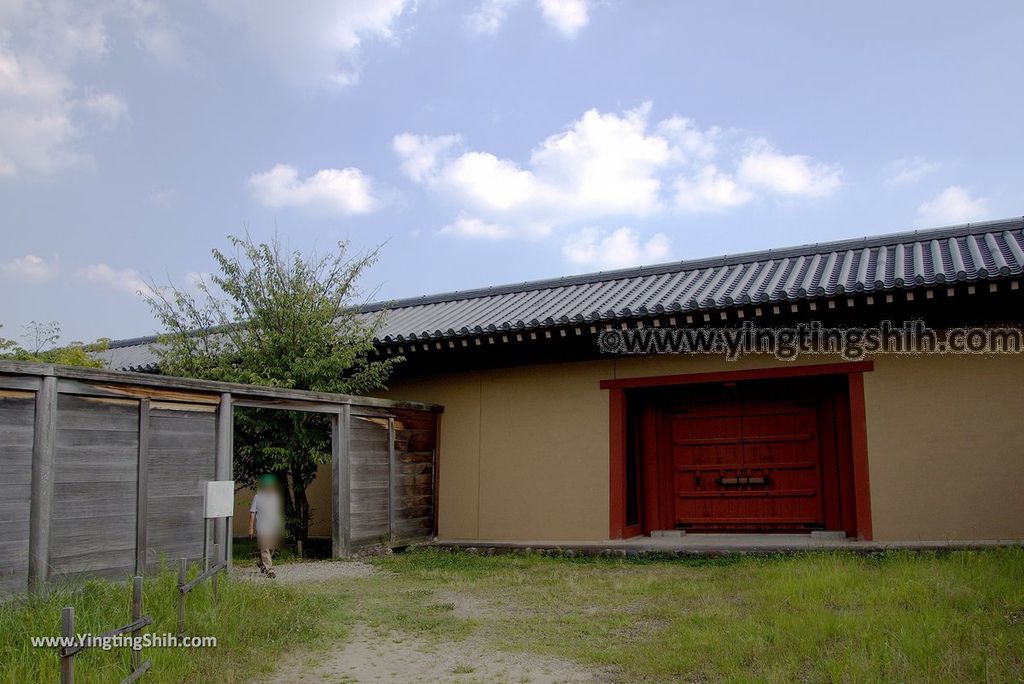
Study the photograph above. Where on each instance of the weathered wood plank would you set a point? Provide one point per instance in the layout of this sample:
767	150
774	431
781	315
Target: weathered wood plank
414	528
14	532
15	502
16	465
107	563
73	537
369	501
75	438
14	382
18	409
103	415
84	500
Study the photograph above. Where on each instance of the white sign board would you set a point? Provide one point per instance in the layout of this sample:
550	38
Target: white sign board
219	499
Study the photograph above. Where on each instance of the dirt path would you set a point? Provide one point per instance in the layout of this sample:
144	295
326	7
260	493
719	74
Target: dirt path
396	657
312	571
371	656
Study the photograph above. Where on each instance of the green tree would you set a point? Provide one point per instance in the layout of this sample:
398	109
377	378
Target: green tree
41	344
281	320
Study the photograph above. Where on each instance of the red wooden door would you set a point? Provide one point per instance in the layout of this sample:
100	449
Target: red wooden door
750	463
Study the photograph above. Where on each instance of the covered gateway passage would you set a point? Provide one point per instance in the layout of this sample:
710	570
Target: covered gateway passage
102	473
738	452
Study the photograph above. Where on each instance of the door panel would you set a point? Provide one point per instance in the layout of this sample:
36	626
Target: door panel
749	462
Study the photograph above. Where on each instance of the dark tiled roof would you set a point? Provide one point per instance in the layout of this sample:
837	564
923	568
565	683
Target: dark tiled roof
954	254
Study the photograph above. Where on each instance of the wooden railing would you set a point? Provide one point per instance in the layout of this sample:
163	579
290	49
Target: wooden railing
185	585
67	631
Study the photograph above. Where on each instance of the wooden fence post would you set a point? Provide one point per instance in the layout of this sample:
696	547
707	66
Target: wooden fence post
67	630
223	462
341	516
136	614
392	479
182	580
213	580
43	448
142	488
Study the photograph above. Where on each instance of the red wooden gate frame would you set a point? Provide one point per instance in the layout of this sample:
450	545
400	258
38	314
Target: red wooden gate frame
854	370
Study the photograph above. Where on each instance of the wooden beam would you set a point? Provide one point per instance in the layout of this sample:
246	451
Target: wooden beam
43	449
256	394
19	383
740	375
341	518
142	489
68	386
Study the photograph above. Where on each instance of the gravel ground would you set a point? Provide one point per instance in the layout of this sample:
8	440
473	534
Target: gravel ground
372	656
312	571
397	657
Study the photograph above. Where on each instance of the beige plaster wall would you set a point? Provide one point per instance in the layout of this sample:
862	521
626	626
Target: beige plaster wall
524	451
946	447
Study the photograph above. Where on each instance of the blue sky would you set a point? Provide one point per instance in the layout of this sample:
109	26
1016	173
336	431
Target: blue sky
483	141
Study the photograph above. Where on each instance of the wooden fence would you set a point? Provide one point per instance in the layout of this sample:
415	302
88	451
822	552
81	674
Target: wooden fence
101	472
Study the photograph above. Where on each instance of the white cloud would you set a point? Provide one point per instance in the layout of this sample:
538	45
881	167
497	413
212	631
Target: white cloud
952	205
106	107
602	165
44	112
793	174
710	190
37	118
123	280
316	42
336	191
595	249
155	33
489	16
29	268
567	16
496	185
421	153
689	141
607	165
908	170
474	227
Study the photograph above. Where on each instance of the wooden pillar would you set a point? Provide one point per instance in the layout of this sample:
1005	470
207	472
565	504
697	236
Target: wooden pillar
616	463
223	465
142	488
859	447
392	481
341	518
43	452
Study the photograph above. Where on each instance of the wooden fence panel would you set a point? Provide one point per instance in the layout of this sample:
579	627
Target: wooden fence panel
182	449
92	529
368	458
101	472
17	416
413	482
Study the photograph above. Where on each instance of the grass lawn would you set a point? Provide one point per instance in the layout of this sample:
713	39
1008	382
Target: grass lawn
820	617
253	622
817	617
